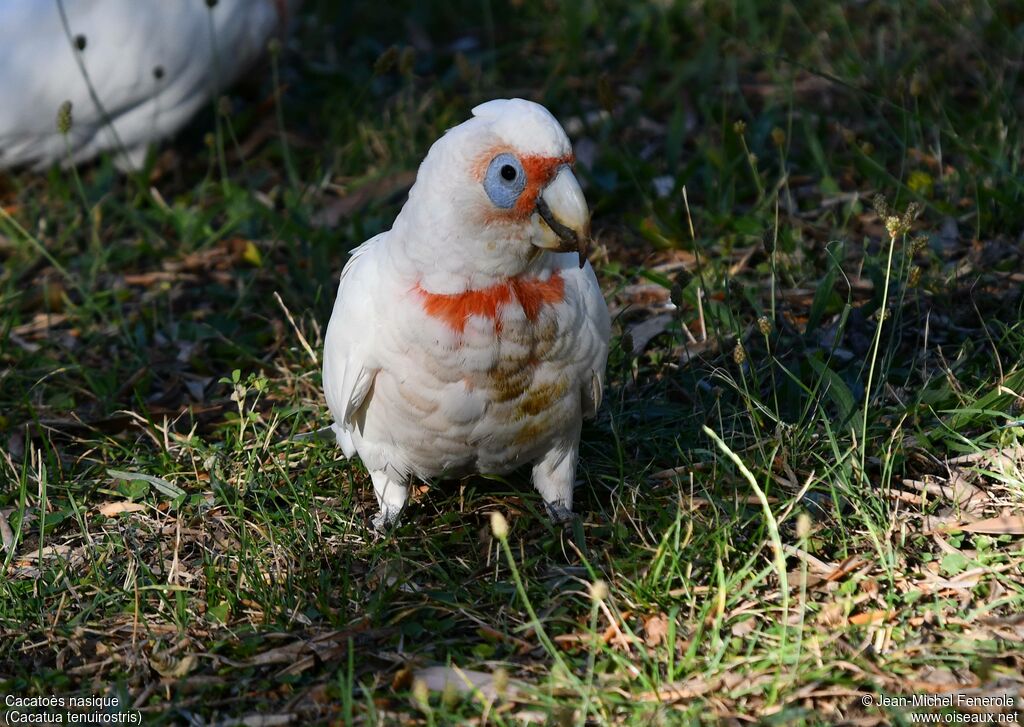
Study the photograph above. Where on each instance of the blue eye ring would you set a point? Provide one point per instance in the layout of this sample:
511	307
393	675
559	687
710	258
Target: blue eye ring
505	180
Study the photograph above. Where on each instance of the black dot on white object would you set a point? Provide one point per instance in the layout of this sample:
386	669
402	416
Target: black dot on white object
508	172
158	72
80	42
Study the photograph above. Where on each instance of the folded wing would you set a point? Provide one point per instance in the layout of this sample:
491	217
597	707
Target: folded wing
350	346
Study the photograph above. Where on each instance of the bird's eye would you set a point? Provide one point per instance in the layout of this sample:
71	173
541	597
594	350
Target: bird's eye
505	180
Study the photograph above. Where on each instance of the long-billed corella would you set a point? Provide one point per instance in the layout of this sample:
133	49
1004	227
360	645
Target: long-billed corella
473	336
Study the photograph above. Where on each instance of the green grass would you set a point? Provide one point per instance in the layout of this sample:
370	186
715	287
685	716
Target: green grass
843	369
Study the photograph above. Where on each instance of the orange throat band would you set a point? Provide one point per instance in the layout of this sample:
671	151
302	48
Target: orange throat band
530	293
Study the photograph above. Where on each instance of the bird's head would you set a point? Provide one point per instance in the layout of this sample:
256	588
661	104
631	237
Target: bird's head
497	191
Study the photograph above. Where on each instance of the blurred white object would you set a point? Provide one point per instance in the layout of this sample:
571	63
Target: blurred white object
142	67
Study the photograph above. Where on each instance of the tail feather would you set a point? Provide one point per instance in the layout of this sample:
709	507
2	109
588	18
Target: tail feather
344	438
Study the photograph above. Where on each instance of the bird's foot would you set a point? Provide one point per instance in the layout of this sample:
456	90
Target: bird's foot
559	513
385	519
381	522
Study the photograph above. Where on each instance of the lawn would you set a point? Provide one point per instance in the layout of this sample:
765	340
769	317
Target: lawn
802	498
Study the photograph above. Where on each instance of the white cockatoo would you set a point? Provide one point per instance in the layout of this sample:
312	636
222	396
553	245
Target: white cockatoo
135	71
472	336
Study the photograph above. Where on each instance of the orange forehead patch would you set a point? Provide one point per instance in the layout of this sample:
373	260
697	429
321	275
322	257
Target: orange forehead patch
456	308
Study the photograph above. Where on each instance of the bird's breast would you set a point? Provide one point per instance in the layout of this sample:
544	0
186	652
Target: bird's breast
488	374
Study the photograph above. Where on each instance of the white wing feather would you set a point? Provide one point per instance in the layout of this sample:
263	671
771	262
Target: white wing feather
597	320
350	346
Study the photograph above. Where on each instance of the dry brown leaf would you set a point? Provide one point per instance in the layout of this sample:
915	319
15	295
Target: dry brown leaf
1004	524
871	617
831	614
943	523
744	627
109	509
171	668
956	488
645	295
655	629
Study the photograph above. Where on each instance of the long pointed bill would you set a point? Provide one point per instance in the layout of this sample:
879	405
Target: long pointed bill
566	219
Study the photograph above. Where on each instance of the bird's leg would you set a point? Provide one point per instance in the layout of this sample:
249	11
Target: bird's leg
392	494
554	476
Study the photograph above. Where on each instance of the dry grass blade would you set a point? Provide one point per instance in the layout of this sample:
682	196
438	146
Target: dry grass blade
302	338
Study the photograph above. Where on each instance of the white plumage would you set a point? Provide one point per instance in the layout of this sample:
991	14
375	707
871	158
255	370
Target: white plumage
151	64
468	338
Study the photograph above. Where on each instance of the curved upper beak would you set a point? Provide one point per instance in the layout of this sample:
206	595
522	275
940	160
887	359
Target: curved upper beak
566	219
